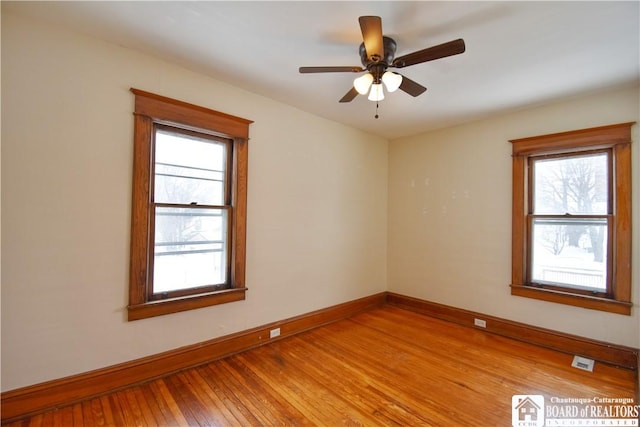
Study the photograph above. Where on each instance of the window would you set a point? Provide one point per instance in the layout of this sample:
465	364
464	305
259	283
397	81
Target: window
189	207
572	218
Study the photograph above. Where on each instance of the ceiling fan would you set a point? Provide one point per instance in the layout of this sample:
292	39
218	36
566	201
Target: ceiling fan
377	54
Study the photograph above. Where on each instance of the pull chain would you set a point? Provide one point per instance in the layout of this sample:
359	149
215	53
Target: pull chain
376	116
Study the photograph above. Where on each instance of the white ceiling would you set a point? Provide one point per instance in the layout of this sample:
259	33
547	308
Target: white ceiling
518	54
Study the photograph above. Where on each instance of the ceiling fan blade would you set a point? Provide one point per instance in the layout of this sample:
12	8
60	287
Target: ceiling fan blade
411	87
443	50
371	27
349	96
347	69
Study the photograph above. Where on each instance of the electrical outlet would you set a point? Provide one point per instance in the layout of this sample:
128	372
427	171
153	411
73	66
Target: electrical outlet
480	323
274	333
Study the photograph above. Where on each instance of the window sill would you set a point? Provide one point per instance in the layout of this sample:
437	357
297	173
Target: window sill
584	301
175	305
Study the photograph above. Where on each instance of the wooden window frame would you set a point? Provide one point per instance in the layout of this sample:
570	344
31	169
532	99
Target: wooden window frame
151	110
615	138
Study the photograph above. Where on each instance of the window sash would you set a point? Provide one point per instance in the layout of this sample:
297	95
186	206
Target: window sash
571	271
177	290
567	219
533	160
202	137
225	249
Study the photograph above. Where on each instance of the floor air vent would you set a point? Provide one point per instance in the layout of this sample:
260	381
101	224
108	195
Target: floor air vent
583	363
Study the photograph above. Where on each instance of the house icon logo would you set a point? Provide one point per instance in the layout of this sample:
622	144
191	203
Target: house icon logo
527	410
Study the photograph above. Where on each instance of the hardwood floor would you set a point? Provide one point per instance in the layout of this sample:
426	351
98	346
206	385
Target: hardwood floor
386	366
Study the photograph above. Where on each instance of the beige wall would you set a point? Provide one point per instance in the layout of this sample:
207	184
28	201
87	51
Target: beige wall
316	220
450	215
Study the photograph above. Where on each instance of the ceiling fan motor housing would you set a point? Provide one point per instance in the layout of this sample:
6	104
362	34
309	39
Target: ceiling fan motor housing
389	46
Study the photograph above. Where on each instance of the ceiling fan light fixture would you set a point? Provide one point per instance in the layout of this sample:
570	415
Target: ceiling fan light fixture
363	83
376	94
391	80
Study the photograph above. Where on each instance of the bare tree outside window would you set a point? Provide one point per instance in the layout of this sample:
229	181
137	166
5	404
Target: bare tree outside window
555	238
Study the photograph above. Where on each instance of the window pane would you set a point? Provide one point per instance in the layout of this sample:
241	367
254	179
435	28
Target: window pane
570	253
190	248
188	169
575	185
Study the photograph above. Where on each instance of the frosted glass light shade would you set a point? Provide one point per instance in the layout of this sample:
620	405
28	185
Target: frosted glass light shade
362	83
376	93
392	81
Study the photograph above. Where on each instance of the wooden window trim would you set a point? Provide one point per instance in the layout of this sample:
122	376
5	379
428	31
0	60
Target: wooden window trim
151	109
617	138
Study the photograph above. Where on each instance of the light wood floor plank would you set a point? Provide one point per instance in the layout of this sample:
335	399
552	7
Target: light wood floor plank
148	406
130	409
238	399
401	381
47	419
291	389
88	416
273	407
211	399
167	403
78	416
295	378
354	389
35	421
107	412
